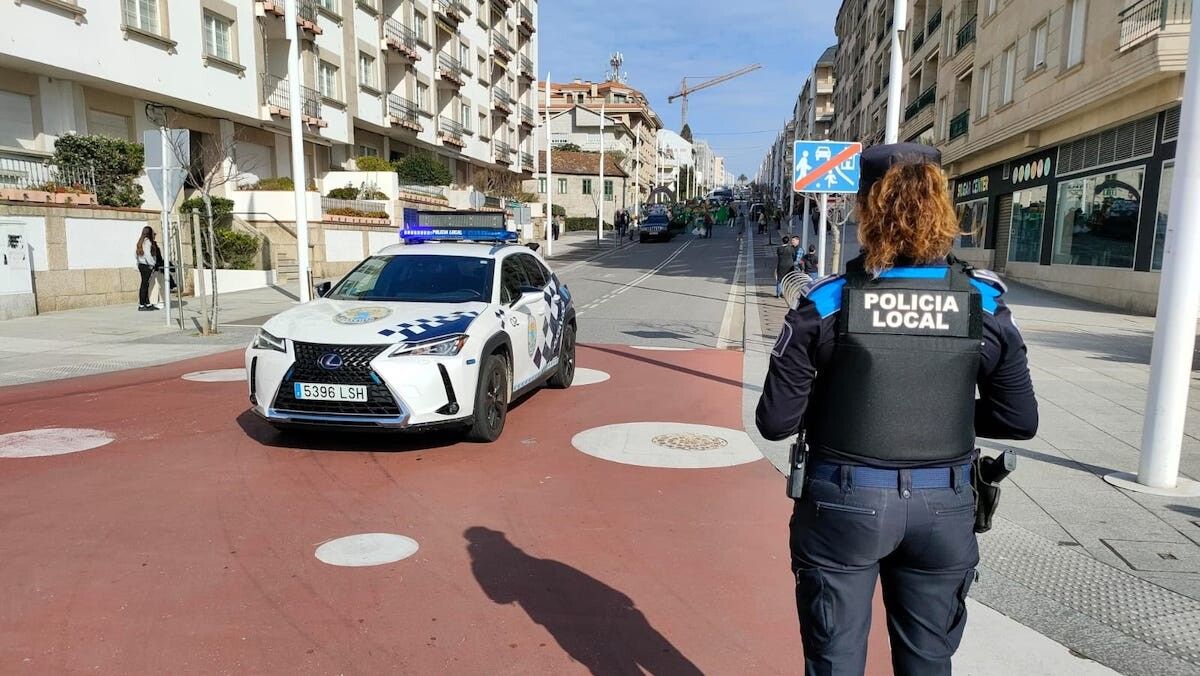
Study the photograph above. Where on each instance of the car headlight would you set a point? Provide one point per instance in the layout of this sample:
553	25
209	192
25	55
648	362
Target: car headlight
265	341
444	347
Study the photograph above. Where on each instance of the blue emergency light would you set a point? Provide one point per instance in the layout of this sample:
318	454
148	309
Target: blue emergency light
454	226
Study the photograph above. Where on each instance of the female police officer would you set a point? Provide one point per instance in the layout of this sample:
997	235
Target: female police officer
878	369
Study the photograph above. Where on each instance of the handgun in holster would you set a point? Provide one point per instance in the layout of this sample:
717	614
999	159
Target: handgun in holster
986	474
797	465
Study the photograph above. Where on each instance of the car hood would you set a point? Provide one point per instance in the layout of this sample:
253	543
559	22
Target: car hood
368	322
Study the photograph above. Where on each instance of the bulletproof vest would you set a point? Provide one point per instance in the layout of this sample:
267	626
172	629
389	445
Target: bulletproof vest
900	384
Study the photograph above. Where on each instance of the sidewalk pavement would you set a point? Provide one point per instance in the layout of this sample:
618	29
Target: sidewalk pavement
1113	575
115	337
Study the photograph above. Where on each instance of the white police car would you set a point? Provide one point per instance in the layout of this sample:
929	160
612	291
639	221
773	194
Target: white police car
418	336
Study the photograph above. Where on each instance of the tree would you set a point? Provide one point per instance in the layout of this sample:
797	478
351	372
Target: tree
686	133
569	148
742	178
114	163
499	183
423	169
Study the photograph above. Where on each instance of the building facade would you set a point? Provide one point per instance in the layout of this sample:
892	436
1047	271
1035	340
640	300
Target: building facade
621	103
577	187
814	109
379	77
861	70
675	155
580	126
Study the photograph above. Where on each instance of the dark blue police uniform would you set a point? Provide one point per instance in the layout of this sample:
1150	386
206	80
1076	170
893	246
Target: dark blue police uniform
880	375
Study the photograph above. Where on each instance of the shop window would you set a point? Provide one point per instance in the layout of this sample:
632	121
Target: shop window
1160	219
972	220
1097	218
1028	217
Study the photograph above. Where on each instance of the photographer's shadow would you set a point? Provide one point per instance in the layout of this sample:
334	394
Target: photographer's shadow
597	625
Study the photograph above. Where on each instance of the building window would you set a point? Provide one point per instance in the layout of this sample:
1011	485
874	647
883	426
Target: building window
587	186
1164	207
327	82
1028	217
1009	60
142	15
608	190
972	221
218	36
367	151
366	70
1097	218
562	186
1076	19
419	21
989	7
330	5
1038	47
541	186
464	54
464	114
422	97
985	89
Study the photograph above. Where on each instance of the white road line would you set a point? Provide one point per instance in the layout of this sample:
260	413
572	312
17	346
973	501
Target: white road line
602	254
658	268
732	331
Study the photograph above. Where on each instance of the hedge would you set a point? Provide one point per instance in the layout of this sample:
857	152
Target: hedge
115	163
359	213
585	223
423	169
372	163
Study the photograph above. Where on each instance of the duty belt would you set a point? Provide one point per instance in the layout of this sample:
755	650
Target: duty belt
873	477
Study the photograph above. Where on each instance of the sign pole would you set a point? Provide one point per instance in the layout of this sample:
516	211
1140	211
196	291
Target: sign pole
896	70
549	177
300	185
821	235
792	193
600	202
637	176
165	224
1178	303
804	225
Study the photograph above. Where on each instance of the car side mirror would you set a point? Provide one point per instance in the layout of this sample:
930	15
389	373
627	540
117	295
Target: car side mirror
527	295
323	289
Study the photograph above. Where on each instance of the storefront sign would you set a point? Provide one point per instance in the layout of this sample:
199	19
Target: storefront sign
971	187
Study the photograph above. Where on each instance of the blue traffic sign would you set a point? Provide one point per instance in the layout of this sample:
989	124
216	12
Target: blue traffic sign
826	166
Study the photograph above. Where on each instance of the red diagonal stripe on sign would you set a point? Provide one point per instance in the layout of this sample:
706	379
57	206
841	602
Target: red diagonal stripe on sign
820	172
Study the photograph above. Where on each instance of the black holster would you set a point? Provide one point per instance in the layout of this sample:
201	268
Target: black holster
798	465
986	474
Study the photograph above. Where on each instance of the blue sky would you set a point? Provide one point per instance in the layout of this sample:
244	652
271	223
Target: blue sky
664	40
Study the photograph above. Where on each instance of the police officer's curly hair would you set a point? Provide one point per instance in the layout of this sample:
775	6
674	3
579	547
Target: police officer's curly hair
907	215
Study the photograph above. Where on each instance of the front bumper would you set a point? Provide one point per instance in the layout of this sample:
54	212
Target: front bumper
404	392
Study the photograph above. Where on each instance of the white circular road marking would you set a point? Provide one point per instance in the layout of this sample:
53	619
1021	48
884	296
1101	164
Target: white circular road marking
656	348
49	441
668	445
589	377
217	376
367	549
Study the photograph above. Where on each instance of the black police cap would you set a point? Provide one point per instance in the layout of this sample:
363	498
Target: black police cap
877	159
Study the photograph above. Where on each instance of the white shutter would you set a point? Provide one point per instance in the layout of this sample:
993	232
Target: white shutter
16	120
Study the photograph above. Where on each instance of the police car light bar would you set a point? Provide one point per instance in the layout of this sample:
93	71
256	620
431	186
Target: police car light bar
454	226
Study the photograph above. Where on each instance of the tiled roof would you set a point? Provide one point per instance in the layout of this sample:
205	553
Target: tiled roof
582	164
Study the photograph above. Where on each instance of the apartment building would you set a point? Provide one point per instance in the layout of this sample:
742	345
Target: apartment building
814	108
580	126
378	77
621	103
674	154
861	70
1057	123
706	166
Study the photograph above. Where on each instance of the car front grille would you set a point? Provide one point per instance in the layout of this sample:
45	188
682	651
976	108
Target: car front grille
355	370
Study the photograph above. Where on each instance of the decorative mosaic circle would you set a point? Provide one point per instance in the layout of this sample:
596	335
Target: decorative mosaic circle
668	445
589	377
689	441
366	549
51	441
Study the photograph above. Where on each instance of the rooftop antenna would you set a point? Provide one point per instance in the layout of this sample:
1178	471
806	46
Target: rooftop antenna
615	62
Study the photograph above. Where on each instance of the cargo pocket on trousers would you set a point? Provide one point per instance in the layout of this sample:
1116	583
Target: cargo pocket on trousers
814	606
958	613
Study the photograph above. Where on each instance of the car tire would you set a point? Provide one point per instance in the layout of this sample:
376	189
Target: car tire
491	400
565	375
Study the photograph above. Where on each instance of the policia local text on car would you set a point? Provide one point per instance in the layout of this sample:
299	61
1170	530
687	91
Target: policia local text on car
877	371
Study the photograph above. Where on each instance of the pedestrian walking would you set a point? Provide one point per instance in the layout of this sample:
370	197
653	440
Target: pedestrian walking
146	262
555	226
808	260
785	262
708	224
762	222
877	371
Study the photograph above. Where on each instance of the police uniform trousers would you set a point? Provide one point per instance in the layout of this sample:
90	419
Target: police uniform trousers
911	529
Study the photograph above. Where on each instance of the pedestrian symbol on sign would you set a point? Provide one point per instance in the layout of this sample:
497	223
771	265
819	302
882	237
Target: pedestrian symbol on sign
836	169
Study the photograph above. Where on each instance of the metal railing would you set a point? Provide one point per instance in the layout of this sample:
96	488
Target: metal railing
934	22
502	149
450	128
307	10
426	190
503	97
526	65
959	124
365	206
451	65
403	109
966	34
526	16
918	40
394	30
1148	17
499	40
921	102
526	159
38	174
527	114
275	93
450	10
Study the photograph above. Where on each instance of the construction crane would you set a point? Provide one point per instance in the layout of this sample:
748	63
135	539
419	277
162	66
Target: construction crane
685	90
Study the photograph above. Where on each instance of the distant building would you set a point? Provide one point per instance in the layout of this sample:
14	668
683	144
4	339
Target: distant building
580	125
576	184
675	154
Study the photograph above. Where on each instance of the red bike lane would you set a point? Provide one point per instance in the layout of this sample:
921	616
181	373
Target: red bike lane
187	544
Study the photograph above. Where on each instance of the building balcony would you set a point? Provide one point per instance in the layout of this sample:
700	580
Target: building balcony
502	101
451	70
401	39
525	19
934	22
451	11
1147	19
277	101
451	132
966	35
31	178
526	68
502	5
918	40
502	152
501	46
959	124
306	13
527	160
921	102
527	118
404	113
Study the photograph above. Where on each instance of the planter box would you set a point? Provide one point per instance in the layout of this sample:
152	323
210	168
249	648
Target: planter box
334	218
22	195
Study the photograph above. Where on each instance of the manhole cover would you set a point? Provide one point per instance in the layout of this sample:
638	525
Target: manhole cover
689	442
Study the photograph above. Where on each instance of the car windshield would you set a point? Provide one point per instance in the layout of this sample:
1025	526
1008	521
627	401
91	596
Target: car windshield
418	279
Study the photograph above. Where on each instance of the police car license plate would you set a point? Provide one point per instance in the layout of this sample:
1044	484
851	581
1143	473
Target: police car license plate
331	392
